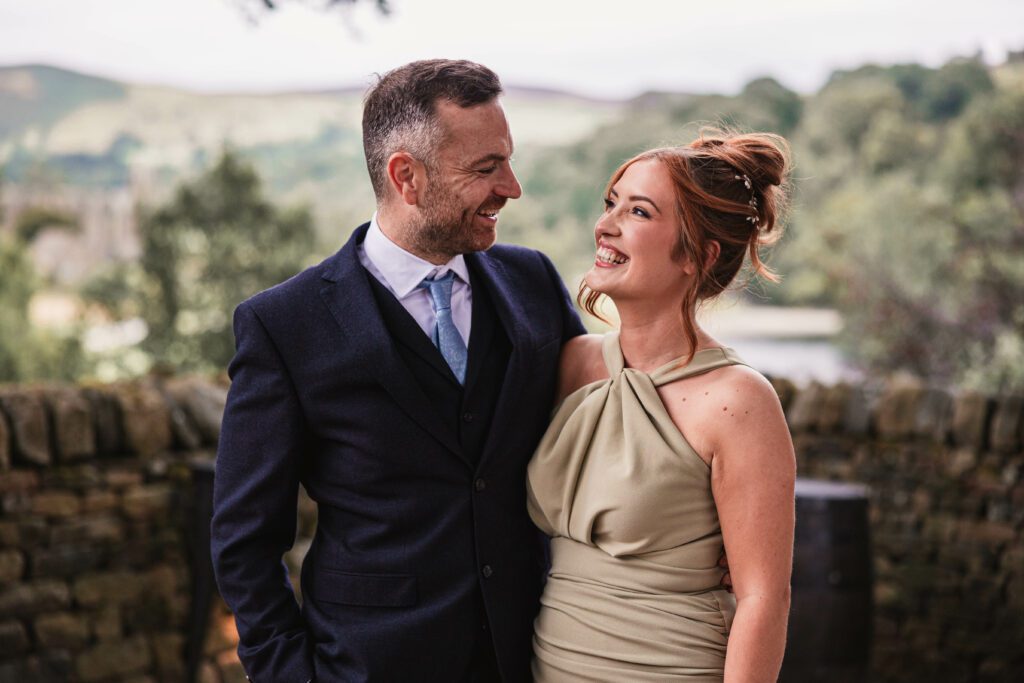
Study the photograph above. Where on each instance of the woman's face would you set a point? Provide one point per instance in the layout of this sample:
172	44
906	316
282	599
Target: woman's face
636	236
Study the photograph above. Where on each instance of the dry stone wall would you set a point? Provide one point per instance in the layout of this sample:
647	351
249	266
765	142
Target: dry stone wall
946	517
96	492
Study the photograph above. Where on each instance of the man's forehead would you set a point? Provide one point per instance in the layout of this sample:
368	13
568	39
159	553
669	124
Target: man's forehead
480	129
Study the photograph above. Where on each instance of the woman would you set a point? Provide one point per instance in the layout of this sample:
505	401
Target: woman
665	447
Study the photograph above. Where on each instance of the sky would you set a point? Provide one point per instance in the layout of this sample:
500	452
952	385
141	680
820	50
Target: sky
592	47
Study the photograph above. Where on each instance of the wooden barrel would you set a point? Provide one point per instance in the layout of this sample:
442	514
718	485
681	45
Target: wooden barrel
830	623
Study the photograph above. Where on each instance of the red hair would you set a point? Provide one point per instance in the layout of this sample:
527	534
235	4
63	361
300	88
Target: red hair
713	204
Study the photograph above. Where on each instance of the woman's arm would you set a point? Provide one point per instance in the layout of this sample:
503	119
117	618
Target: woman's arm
581	363
753	469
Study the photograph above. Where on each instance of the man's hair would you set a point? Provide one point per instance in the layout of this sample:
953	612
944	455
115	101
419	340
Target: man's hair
400	112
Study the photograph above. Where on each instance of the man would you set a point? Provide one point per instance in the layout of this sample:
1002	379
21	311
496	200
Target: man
405	382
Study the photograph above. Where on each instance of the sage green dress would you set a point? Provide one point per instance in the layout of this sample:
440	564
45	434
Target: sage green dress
634	589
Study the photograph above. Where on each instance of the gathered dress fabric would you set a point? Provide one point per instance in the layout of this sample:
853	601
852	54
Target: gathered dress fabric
634	591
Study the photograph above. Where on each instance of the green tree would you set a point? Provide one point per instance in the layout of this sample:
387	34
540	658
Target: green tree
28	353
216	242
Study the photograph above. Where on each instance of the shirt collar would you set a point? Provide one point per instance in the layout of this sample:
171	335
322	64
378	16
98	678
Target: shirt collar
402	270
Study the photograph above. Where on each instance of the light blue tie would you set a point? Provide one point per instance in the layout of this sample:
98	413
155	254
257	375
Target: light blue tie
446	336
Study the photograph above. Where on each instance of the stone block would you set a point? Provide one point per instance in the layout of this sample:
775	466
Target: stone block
12	566
80	477
64	561
52	666
73	426
203	402
971	415
62	630
120	478
1007	424
147	502
19	481
33	597
15	504
107	420
23	533
163	580
101	528
56	504
29	429
832	408
93	590
934	415
100	501
113	659
106	623
784	389
13	638
896	412
146	419
805	408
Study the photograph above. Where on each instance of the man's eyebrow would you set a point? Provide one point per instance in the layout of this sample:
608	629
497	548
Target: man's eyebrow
638	198
489	157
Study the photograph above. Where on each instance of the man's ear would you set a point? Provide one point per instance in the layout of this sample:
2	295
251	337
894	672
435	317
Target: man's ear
407	177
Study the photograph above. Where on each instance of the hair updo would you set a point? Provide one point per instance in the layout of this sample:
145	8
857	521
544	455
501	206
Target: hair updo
730	188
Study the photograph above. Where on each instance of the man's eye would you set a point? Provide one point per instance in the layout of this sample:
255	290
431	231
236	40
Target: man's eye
487	171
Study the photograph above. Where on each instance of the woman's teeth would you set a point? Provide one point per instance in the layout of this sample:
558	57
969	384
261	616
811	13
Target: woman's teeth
608	256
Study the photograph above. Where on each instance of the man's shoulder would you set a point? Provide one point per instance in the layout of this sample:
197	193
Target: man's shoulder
284	296
520	258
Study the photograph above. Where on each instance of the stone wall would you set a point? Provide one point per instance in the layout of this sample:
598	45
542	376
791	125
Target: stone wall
95	493
94	502
946	517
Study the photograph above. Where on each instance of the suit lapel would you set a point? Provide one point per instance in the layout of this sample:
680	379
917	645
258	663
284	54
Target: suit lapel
516	325
348	296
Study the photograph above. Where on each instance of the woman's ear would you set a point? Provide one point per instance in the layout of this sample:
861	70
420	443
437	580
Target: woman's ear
711	253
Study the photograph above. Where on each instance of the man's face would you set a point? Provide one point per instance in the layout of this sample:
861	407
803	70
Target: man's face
470	181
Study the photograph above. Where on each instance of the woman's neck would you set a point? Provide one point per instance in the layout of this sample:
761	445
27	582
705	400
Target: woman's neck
650	339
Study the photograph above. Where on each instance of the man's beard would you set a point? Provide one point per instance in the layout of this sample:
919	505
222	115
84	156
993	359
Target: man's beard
446	226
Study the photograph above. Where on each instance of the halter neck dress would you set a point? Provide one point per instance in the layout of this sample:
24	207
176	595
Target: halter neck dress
634	590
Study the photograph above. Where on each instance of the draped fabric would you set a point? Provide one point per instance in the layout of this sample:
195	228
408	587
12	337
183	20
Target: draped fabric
634	589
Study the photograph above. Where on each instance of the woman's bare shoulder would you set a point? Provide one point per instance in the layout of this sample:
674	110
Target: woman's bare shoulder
581	363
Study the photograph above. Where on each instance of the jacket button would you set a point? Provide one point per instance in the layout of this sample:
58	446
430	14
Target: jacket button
487	571
467	417
479	485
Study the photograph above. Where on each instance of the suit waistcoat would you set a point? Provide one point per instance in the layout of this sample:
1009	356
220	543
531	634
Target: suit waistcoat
467	410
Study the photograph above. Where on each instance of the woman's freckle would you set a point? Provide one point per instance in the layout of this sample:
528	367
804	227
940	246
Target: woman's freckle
725	407
705	393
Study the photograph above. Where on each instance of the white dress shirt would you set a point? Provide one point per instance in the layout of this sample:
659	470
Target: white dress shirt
401	272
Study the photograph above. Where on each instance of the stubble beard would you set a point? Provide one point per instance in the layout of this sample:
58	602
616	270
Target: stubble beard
446	226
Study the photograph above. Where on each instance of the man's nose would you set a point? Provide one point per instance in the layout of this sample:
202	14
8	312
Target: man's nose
509	186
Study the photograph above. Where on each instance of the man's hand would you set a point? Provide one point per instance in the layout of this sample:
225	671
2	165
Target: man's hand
723	562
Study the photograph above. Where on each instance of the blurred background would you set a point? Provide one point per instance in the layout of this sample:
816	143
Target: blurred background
162	161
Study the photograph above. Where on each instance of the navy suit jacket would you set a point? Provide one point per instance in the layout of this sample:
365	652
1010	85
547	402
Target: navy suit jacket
410	530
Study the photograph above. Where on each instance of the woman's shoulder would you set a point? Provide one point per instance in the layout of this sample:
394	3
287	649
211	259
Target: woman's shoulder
581	363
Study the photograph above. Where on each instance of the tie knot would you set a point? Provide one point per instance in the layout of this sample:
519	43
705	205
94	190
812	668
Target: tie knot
440	290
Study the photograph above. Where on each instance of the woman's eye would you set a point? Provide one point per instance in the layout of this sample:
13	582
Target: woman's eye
608	204
641	212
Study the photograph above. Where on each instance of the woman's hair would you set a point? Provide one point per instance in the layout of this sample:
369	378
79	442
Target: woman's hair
730	188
